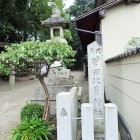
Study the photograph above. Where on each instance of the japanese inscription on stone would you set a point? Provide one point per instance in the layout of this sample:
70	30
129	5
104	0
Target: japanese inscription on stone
63	112
96	84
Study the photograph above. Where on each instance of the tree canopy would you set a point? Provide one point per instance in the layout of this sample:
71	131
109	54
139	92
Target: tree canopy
79	7
20	20
32	56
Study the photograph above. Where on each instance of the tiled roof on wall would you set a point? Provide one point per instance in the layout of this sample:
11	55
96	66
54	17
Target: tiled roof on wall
125	54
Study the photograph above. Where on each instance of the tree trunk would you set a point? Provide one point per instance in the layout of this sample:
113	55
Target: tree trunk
47	100
25	34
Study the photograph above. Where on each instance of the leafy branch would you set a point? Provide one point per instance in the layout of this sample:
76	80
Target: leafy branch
32	56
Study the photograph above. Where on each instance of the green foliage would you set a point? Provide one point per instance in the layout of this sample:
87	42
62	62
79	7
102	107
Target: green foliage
20	20
67	35
31	110
81	6
6	28
31	56
133	43
32	129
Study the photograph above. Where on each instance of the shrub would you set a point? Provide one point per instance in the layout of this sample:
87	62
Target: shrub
31	110
32	129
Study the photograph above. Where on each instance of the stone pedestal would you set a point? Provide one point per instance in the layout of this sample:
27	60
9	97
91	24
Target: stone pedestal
59	76
58	80
111	122
39	95
87	122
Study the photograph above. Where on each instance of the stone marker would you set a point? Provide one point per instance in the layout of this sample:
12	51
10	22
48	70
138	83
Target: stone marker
67	111
64	121
12	80
39	95
59	76
87	122
58	80
96	86
111	122
96	82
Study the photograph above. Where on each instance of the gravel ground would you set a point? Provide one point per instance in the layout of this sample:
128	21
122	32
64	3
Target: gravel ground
11	101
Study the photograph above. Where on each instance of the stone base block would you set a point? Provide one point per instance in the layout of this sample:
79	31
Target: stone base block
39	96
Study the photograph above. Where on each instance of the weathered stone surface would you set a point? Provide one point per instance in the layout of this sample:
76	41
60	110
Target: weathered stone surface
39	95
96	82
56	19
58	80
96	96
67	111
12	82
99	136
87	122
59	76
111	122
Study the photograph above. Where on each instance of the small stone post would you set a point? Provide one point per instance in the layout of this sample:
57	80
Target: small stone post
12	79
111	122
87	122
64	120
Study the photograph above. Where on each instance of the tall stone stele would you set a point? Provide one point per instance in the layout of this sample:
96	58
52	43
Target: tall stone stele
57	24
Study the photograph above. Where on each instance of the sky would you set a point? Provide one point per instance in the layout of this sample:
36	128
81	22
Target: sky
68	3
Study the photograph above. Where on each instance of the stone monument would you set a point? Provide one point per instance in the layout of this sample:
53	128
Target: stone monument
59	79
105	115
56	82
96	85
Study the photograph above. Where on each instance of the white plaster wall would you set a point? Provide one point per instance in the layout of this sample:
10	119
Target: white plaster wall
123	84
121	23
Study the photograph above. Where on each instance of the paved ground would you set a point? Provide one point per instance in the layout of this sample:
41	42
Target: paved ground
12	101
